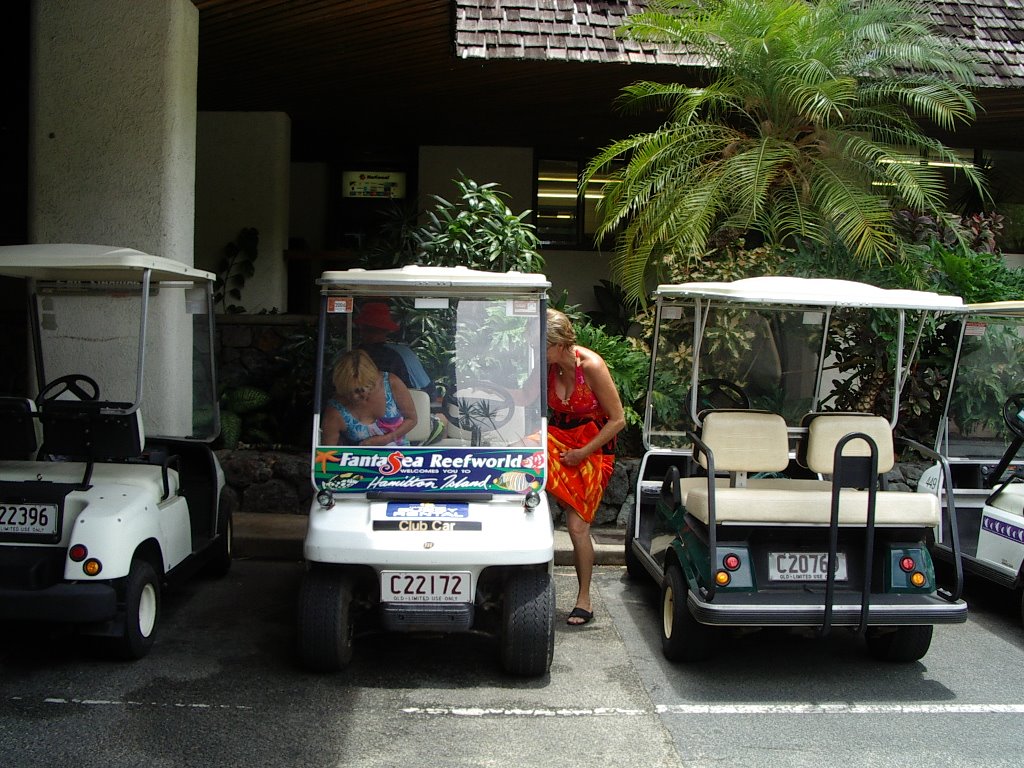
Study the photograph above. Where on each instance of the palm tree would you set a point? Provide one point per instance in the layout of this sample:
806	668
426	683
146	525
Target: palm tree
807	130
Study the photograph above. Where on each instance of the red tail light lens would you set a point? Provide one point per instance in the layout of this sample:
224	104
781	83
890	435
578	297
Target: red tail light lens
731	562
907	563
78	553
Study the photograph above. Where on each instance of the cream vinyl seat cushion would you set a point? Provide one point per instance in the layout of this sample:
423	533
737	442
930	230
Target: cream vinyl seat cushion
752	441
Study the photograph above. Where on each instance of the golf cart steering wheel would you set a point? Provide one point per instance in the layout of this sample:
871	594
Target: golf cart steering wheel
478	410
714	394
78	384
1013	414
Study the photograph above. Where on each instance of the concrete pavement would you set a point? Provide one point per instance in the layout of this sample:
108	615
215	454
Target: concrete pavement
279	537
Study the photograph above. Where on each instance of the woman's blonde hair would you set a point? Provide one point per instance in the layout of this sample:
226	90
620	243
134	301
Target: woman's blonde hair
560	332
353	371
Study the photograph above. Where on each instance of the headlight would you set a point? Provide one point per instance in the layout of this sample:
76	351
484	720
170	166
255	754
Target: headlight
531	501
325	499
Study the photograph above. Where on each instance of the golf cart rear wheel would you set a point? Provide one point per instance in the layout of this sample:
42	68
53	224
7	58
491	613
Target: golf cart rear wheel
899	644
683	638
528	623
325	621
141	612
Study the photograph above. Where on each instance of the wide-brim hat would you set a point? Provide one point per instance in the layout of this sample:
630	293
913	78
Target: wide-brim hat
376	314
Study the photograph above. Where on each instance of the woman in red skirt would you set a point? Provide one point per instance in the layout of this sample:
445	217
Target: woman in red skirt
585	416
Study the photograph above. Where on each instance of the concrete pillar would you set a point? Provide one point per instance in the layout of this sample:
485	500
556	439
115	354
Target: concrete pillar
112	160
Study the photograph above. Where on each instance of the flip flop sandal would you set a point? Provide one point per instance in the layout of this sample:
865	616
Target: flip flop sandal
579	613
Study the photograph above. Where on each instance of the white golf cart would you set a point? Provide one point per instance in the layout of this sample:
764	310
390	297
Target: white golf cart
981	434
98	514
450	533
760	503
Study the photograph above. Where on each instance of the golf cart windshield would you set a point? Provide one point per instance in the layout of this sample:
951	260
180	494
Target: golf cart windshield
785	345
100	314
989	369
458	352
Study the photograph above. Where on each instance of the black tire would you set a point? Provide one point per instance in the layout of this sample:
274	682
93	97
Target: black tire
683	638
141	611
634	568
528	623
218	564
325	621
900	644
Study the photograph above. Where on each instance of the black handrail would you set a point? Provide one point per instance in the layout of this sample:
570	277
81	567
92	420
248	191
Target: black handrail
950	506
851	472
708	592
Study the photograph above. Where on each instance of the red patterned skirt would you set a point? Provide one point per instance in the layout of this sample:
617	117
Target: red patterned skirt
580	487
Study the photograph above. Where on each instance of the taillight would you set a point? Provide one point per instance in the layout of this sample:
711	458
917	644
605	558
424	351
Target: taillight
78	553
907	563
731	562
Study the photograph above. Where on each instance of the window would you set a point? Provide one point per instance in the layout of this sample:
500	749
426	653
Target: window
565	219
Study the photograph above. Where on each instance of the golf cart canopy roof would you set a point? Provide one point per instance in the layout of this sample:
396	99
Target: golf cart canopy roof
92	263
816	292
1010	308
430	277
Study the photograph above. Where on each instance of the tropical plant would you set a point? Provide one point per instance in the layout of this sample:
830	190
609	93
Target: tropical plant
244	416
627	363
236	264
479	231
807	131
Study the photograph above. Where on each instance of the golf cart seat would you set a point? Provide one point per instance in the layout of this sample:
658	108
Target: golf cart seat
750	442
421	431
19	427
95	431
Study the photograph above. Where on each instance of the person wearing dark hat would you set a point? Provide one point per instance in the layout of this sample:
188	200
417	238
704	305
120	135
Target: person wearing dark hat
376	325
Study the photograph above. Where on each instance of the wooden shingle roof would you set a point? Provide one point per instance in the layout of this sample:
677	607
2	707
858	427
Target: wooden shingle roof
993	30
553	30
583	30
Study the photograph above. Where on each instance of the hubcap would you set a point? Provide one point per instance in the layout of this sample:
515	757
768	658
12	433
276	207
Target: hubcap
668	611
147	610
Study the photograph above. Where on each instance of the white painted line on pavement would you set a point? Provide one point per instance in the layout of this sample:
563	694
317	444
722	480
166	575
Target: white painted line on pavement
531	712
725	709
838	709
117	703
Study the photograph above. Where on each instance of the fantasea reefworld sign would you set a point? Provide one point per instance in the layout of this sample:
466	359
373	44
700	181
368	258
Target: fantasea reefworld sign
345	469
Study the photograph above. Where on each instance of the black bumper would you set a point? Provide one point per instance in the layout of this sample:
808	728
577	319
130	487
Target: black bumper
73	603
427	617
808	610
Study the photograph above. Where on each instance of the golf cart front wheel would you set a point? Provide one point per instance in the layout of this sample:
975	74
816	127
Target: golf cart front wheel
528	623
683	638
141	611
899	644
325	621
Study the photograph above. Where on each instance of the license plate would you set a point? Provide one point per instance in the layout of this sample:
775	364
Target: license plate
28	519
803	566
425	587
